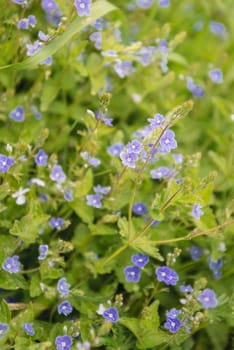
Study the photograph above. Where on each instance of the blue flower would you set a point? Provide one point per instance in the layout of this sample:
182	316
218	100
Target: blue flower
11	264
32	49
208	298
17	114
196	252
102	190
173	313
115	149
28	328
160	173
52	10
129	159
146	55
56	223
63	286
139	208
96	37
164	3
216	76
43	251
167	275
18	2
23	24
218	28
64	308
132	274
156	121
123	68
196	90
100	24
91	160
172	324
4	328
63	342
41	158
186	288
134	146
42	36
197	212
111	314
5	163
68	195
167	141
215	265
140	260
83	7
145	4
57	174
94	200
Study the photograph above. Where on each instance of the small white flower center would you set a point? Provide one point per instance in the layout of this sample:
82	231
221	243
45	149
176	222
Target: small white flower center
82	5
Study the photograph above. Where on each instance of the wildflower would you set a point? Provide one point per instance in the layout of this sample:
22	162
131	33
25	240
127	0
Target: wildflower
100	24
42	36
83	7
123	68
11	264
56	223
4	328
132	274
96	37
19	2
140	260
145	4
216	76
41	158
146	55
186	288
32	49
215	266
37	114
5	163
115	149
178	158
20	195
208	298
63	286
63	342
52	11
195	252
172	324
57	174
102	190
173	313
217	28
163	46
23	24
64	308
167	141
196	90
164	3
68	195
94	200
91	160
28	328
156	121
109	53
17	114
129	159
111	314
43	251
167	275
160	173
139	209
134	146
197	212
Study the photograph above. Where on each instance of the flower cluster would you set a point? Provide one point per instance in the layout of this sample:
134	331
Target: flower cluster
173	323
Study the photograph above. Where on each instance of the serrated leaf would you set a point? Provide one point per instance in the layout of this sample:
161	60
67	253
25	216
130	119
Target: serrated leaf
145	247
11	281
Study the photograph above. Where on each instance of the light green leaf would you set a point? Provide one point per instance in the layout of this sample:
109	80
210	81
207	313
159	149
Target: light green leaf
5	314
12	281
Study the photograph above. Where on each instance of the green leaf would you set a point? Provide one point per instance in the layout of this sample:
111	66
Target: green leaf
5	314
50	90
35	288
11	281
144	246
101	230
84	186
84	211
98	9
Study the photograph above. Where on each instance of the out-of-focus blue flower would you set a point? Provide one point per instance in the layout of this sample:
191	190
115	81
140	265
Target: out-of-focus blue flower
216	76
161	173
4	328
196	252
145	4
41	158
196	90
28	328
43	251
96	37
94	200
123	68
68	195
197	212
64	308
102	190
132	274
208	298
17	114
129	159
11	264
83	7
115	149
5	163
57	174
164	3
186	288
139	208
218	28
56	223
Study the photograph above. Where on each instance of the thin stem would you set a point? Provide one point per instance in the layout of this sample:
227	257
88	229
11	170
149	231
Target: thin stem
117	252
166	204
30	270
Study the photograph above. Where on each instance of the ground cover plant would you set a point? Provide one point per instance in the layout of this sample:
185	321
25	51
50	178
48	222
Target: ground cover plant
116	174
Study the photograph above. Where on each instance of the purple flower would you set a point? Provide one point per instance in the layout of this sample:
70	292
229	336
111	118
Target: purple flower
68	195
164	3
156	121
196	90
96	37
167	141
43	251
216	76
23	24
160	173
83	7
163	46
11	264
139	209
195	252
91	160
18	2
57	174
5	163
167	275
102	190
94	200
178	158
140	260
32	20
172	324
217	28
28	328
129	159
4	328
42	36
197	212
64	308
115	149
32	49
17	114
63	342
41	158
56	223
173	313
63	286
134	146
111	314
145	4
215	265
132	274
37	114
123	68
208	298
52	10
186	288
146	55
100	24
